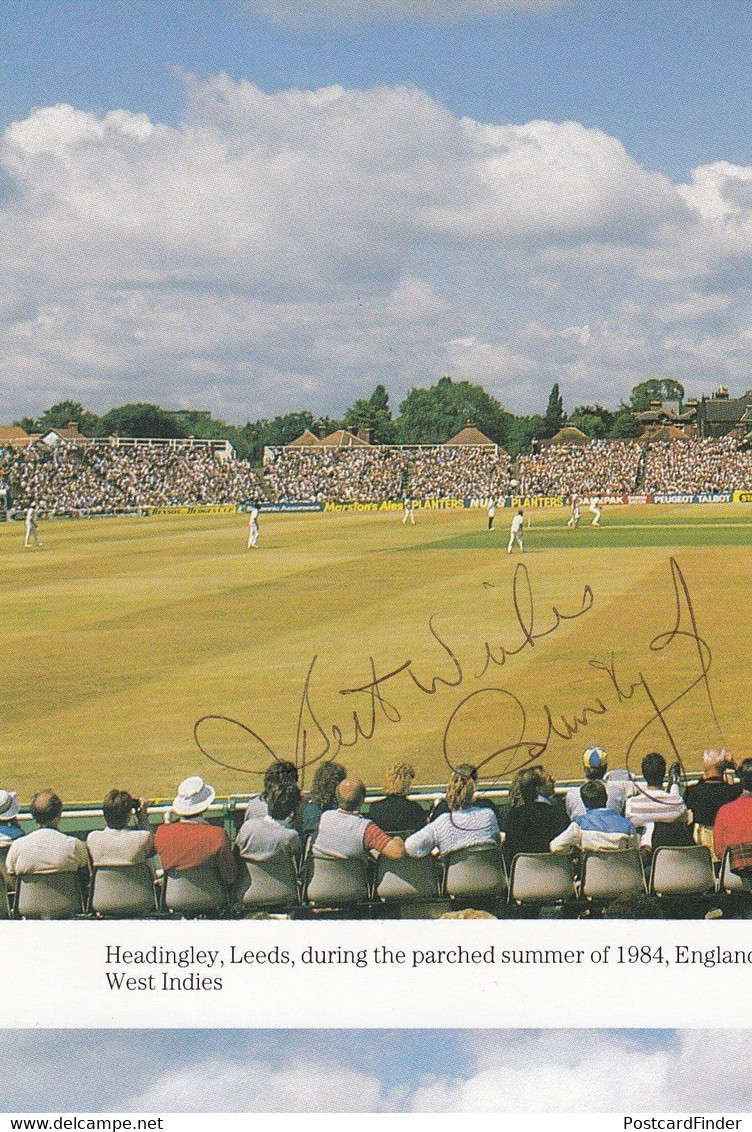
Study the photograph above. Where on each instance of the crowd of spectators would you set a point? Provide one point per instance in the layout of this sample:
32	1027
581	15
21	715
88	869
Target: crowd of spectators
342	475
600	467
105	478
288	832
698	466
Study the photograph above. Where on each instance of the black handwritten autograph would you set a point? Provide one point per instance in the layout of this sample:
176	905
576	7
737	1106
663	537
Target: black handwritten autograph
520	745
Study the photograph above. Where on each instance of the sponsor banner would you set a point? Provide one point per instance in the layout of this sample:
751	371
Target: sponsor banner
392	505
743	497
699	497
534	501
268	508
616	500
197	509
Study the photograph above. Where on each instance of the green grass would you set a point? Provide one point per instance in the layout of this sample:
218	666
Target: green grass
119	635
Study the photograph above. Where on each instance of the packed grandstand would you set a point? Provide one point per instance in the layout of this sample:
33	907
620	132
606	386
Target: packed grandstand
114	476
613	846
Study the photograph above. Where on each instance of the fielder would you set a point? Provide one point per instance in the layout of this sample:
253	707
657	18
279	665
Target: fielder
595	511
253	528
491	513
574	518
32	531
515	532
408	510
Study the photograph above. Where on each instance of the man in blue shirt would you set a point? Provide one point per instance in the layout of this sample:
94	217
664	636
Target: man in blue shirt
9	811
599	827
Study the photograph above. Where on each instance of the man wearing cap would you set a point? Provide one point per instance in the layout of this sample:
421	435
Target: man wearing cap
707	796
344	833
595	763
191	841
10	828
46	849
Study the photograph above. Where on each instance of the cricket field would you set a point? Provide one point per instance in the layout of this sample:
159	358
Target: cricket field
141	650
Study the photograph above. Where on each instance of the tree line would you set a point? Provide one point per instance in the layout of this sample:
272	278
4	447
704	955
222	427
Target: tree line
426	416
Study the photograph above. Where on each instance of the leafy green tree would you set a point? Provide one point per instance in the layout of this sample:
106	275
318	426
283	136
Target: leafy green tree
521	433
61	414
142	420
556	418
432	416
373	415
593	420
655	389
624	425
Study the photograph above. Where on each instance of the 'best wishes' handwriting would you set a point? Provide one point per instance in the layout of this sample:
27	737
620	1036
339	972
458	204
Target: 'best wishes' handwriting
492	709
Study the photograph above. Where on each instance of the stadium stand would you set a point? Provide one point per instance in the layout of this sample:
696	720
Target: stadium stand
682	880
116	475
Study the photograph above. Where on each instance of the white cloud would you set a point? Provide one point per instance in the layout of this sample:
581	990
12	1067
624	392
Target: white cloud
289	250
301	12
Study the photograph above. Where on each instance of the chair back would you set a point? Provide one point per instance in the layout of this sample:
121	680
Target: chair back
542	878
477	872
193	892
610	873
685	870
334	881
4	901
410	878
48	896
271	882
123	890
730	881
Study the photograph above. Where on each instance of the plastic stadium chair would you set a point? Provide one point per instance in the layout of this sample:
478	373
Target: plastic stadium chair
685	870
410	878
194	892
125	891
732	882
610	873
475	873
48	896
335	881
541	878
269	883
4	901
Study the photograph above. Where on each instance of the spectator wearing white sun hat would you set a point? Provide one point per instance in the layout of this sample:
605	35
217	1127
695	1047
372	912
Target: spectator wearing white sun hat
192	841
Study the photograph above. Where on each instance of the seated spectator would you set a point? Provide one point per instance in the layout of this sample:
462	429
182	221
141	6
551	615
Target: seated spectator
343	833
261	839
598	827
465	825
279	771
733	823
660	815
46	849
707	796
10	827
192	841
534	818
117	844
396	812
595	762
326	779
441	806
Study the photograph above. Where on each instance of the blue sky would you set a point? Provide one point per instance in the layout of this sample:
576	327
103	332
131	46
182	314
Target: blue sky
255	206
672	80
374	1071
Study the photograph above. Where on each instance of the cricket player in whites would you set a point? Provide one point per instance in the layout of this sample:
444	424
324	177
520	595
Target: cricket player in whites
515	532
595	511
408	511
32	531
253	527
574	518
